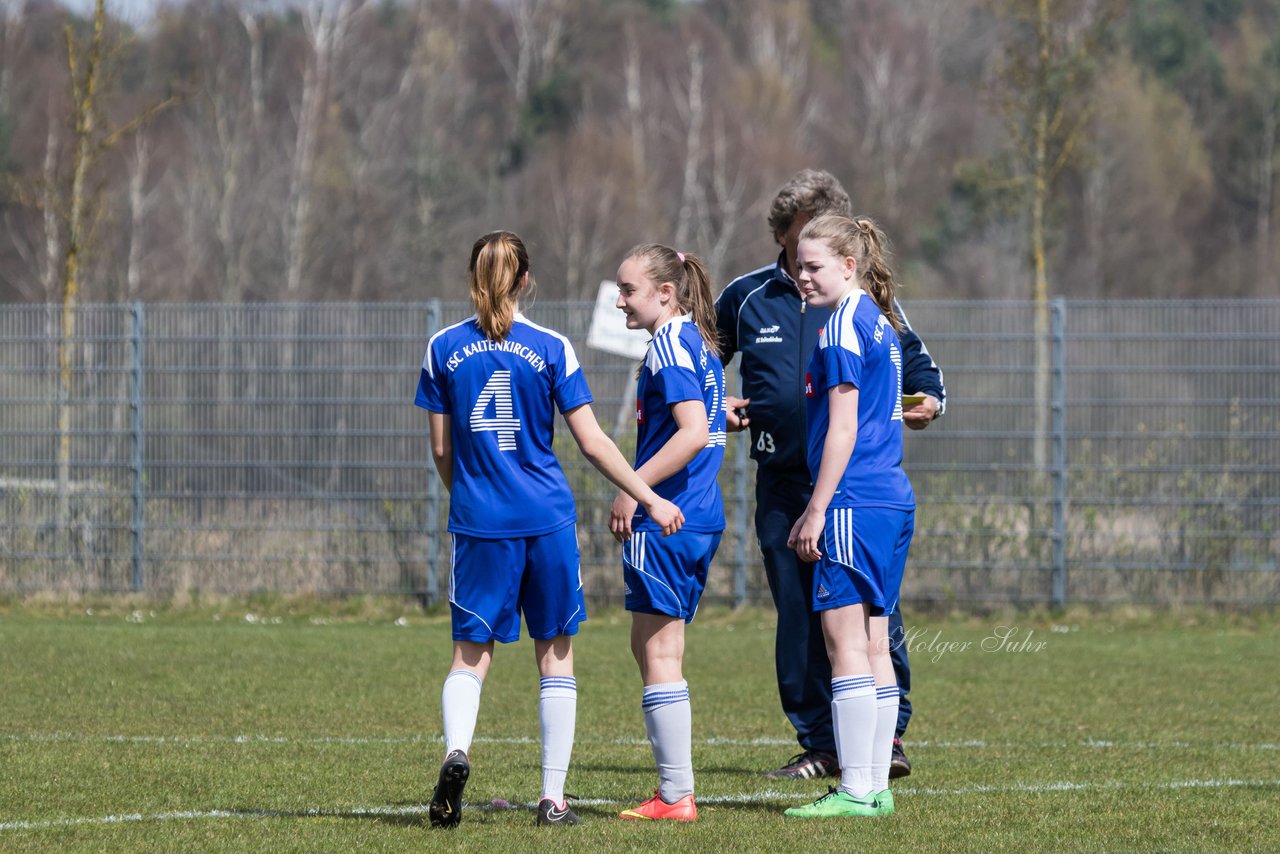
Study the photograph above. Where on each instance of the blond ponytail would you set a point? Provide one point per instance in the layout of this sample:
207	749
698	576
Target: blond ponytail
499	262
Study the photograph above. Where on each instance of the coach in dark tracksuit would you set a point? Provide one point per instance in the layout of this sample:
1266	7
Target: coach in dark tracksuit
762	316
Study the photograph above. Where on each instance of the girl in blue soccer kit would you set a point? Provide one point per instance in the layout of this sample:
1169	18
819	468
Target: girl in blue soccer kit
679	448
858	524
492	384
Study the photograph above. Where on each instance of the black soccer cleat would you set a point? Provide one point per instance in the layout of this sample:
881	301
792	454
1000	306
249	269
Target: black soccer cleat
549	813
807	766
445	809
899	764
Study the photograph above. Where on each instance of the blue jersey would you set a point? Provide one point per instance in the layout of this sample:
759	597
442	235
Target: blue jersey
500	396
858	345
679	366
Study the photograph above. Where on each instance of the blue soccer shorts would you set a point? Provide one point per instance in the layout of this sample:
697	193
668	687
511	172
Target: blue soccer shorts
666	575
864	551
492	582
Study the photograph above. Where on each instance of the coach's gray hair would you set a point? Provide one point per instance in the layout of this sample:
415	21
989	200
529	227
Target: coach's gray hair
810	191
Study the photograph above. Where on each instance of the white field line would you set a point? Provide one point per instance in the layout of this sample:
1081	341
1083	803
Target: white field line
187	740
711	800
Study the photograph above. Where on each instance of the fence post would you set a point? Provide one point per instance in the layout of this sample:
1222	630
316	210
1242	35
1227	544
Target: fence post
434	531
740	465
137	525
1058	426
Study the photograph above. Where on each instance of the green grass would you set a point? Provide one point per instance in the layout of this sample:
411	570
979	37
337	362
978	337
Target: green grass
1125	731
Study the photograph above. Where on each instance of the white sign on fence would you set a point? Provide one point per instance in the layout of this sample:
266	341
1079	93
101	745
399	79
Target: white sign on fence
609	330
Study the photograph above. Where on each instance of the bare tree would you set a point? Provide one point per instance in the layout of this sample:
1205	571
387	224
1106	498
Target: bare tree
539	29
891	55
142	199
89	141
1049	51
326	28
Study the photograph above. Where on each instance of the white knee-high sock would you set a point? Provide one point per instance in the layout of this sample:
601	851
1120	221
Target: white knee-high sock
882	745
853	706
459	705
668	719
558	710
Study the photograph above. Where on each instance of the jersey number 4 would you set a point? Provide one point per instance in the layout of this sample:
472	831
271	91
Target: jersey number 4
497	391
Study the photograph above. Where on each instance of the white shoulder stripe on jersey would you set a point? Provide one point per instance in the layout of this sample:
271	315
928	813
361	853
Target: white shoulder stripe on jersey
426	359
840	328
667	350
571	364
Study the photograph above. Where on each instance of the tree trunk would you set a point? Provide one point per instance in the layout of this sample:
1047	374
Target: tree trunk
1267	272
82	155
1040	280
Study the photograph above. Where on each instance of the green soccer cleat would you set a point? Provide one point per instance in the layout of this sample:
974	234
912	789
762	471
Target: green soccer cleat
837	803
885	799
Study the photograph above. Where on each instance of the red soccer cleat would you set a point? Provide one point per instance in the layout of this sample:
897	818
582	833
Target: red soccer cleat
656	809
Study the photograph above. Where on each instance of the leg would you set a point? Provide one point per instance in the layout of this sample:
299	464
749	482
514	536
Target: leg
899	764
459	703
886	703
850	640
552	604
554	656
668	715
460	699
853	705
558	713
803	669
658	641
901	670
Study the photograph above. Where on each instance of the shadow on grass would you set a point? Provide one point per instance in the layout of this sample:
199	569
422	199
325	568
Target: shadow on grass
403	814
728	771
396	815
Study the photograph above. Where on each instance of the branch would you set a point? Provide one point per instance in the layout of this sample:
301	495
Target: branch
132	125
73	64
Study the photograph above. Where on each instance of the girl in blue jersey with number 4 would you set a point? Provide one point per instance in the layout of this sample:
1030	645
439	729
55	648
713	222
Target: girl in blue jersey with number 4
492	384
858	524
679	448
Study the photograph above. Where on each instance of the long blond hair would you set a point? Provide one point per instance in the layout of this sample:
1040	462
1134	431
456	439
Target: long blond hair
498	263
863	241
693	285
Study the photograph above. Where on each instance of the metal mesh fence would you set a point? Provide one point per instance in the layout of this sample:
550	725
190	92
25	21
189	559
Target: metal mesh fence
233	449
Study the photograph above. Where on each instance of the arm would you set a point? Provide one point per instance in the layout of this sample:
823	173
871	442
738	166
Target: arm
600	451
837	448
727	327
442	447
690	437
920	375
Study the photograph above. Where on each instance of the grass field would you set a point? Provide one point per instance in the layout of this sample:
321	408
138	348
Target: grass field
283	728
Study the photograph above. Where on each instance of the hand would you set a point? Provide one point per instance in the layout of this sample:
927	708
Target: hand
806	535
667	515
735	423
624	507
922	414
